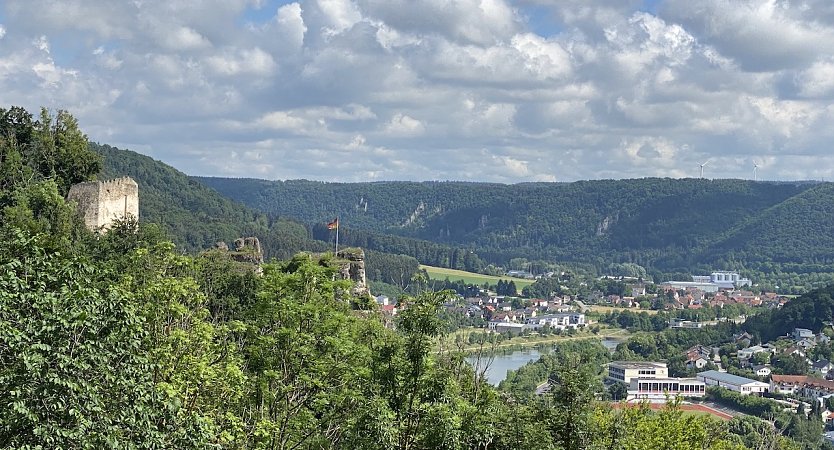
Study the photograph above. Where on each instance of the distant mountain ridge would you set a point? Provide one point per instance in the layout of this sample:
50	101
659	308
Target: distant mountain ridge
667	224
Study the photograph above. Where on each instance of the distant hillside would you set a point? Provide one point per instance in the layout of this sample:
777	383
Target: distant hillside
793	236
196	217
662	223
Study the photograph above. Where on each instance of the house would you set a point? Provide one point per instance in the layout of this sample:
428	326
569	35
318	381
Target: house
506	327
794	350
762	370
680	323
637	289
822	367
743	338
802	333
742	385
697	362
557	321
786	384
382	300
390	310
747	353
698	357
539	303
806	344
801	385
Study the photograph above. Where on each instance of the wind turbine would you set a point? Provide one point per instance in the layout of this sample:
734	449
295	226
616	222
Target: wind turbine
755	171
702	167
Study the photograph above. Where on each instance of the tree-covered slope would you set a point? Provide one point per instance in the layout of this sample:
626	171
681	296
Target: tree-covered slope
798	230
654	222
195	216
809	311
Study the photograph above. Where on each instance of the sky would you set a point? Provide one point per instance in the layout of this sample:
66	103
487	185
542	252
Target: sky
477	90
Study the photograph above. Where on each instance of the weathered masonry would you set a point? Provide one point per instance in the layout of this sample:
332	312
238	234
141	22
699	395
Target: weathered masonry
103	202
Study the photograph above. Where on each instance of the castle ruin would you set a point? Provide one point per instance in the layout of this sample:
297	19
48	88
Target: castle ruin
103	202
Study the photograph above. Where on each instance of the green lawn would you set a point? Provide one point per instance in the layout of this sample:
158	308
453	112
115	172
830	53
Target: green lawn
440	273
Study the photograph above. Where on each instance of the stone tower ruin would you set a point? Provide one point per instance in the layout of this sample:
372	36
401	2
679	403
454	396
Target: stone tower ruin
103	202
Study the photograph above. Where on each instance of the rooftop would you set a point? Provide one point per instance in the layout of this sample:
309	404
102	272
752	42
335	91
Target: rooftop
668	380
637	364
727	378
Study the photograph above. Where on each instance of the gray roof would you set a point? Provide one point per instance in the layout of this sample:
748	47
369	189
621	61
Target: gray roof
724	377
820	364
638	364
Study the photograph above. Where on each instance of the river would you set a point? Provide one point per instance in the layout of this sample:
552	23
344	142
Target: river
506	361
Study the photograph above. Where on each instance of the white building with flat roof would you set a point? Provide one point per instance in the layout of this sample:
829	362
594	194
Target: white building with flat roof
557	321
654	389
742	385
626	371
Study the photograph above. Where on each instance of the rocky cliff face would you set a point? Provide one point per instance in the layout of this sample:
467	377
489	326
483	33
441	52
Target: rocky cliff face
246	250
353	268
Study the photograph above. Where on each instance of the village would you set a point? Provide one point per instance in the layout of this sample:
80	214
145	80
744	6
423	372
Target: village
789	371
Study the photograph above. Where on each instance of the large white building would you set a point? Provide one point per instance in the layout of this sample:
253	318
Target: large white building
661	388
626	371
557	321
728	279
744	386
712	283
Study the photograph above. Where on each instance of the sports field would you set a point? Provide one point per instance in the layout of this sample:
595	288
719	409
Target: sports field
440	273
686	409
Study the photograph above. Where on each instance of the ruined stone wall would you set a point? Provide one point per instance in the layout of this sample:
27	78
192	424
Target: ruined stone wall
353	269
102	202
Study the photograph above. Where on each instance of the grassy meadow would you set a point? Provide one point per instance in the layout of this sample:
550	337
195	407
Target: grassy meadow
440	273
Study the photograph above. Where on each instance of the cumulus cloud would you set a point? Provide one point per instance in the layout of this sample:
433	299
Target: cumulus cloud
490	90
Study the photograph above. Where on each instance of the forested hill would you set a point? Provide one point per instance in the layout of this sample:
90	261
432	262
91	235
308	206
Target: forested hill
662	223
193	215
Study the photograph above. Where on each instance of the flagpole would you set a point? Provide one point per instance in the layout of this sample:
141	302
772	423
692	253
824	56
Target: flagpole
337	236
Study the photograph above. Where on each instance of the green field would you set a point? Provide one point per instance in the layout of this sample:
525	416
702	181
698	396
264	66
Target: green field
440	273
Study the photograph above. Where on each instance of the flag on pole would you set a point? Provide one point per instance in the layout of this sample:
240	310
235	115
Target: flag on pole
333	225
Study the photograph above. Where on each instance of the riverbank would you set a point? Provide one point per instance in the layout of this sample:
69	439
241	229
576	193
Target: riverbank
532	341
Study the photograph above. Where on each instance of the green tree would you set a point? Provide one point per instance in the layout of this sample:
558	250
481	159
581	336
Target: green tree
573	388
61	150
307	364
71	365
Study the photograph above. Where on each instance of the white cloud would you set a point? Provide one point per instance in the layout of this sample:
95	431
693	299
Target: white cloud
183	38
340	14
817	80
242	62
430	89
762	35
290	20
281	120
404	125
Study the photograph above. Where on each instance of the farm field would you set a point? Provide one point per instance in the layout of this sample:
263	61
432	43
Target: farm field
440	273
